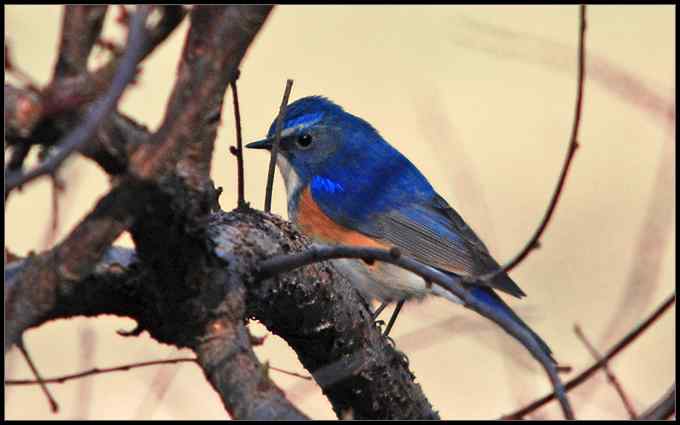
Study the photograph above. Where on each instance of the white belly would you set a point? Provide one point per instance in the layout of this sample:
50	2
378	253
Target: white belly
387	282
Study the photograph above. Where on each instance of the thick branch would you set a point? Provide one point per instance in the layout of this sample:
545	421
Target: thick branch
209	320
216	43
323	319
313	308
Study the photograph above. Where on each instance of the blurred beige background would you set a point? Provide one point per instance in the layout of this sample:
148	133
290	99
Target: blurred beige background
481	99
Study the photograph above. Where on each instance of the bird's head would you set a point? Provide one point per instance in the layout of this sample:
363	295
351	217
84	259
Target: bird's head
318	137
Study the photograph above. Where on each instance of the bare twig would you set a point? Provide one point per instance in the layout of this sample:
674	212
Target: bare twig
54	407
289	373
534	242
662	409
610	375
241	202
275	146
282	263
102	107
97	371
625	341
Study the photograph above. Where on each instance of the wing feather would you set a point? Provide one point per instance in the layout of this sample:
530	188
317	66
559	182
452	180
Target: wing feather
436	235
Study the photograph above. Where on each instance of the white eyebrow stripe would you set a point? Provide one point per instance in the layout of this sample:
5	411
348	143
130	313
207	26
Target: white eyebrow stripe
304	121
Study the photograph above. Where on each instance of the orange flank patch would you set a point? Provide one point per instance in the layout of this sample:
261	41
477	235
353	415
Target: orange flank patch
317	224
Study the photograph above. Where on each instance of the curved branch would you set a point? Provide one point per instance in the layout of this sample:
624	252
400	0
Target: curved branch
534	241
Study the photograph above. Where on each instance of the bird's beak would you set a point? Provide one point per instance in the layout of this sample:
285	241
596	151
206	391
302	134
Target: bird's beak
261	144
267	143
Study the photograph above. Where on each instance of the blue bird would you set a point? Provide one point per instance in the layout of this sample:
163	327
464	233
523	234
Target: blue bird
347	185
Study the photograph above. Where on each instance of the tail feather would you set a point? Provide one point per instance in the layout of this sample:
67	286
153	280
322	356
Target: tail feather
488	296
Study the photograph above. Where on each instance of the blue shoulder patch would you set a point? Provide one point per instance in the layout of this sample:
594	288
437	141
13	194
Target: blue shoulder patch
304	121
326	185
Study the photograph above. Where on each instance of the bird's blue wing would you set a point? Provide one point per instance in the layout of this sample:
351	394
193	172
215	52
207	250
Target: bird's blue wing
397	206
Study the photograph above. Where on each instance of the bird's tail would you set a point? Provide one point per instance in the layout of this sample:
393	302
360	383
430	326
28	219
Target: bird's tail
489	297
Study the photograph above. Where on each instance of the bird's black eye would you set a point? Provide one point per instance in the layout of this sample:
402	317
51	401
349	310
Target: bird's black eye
304	141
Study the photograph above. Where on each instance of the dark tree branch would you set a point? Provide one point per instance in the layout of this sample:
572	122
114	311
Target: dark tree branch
324	320
58	106
81	134
534	241
238	152
47	275
200	314
236	374
216	43
313	308
278	264
275	147
616	349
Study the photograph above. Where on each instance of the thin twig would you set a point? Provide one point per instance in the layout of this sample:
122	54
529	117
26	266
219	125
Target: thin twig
241	202
54	407
287	372
275	147
393	318
534	242
630	337
96	371
282	263
100	109
610	375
